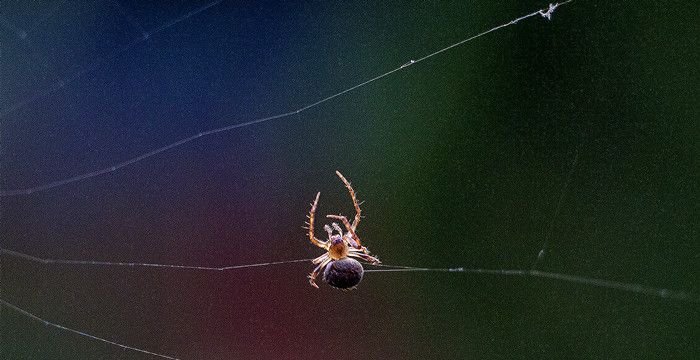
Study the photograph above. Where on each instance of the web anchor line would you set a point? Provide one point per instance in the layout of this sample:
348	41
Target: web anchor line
557	209
81	333
545	13
628	287
602	283
35	259
595	282
20	255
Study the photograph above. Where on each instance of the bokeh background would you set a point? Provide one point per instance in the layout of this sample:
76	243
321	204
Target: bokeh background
582	130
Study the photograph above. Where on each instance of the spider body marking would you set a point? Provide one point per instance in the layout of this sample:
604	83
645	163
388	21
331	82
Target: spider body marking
339	268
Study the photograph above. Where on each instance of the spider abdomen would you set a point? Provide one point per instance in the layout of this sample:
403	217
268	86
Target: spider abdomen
345	273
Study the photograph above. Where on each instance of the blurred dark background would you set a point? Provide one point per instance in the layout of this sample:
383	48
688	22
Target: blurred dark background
463	160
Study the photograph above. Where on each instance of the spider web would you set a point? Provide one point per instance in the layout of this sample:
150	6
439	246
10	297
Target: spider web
487	159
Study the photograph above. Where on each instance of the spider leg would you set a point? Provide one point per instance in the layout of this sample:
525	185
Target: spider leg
311	216
329	231
354	200
319	259
366	257
318	269
338	229
346	236
345	221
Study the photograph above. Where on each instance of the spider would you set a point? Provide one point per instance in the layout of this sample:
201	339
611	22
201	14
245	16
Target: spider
341	270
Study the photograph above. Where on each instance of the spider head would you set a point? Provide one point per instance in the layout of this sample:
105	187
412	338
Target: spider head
338	248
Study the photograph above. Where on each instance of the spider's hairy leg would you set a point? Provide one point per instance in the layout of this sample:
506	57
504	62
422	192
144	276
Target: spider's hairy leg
320	259
318	269
329	231
358	212
362	255
338	229
349	227
312	216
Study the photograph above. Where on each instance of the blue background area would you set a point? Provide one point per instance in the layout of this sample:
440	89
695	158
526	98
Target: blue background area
462	159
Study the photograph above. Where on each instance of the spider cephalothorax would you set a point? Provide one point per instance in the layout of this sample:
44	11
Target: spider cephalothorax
341	270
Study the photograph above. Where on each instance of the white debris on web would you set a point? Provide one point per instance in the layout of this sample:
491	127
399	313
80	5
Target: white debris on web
548	14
